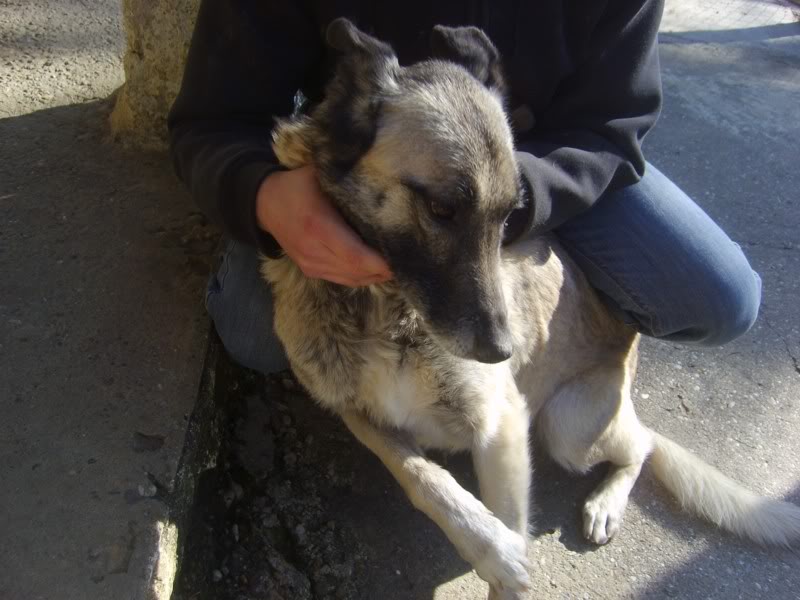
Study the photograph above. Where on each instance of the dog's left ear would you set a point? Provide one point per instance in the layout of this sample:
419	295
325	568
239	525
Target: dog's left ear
366	69
369	59
471	48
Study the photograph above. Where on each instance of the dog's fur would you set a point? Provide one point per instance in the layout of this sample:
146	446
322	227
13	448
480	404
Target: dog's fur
420	161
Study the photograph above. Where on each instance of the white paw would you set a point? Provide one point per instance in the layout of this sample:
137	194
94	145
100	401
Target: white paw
602	515
506	594
504	564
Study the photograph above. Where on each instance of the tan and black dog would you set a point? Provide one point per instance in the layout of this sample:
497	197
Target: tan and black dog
471	341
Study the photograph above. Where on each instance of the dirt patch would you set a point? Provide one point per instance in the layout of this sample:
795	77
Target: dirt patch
260	527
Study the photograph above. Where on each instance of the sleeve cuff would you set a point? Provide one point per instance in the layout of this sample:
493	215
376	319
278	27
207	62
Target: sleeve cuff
248	181
539	198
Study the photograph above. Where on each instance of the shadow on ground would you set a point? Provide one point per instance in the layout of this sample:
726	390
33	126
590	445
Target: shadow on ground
102	337
298	509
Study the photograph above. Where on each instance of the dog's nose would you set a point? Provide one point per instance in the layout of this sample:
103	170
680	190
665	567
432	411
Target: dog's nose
493	352
493	340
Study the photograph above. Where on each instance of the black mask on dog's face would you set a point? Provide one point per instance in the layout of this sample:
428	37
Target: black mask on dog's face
420	161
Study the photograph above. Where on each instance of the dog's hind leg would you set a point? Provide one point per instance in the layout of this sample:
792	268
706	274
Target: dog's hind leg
591	420
497	553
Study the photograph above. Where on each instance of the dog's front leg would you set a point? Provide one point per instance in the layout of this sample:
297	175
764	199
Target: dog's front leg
497	553
502	464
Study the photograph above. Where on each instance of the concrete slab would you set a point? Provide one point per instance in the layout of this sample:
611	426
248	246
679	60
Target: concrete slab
725	18
102	327
102	339
56	52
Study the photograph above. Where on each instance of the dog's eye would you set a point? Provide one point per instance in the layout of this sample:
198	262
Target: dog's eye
442	210
439	209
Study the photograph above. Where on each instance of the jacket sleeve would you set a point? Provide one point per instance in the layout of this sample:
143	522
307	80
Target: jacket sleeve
588	141
247	59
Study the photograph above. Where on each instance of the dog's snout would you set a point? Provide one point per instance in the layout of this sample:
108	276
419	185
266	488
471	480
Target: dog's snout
492	341
492	352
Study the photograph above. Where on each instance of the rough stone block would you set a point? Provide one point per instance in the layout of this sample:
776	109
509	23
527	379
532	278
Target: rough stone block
158	34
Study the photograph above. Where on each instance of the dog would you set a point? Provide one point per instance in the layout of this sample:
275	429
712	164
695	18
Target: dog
472	340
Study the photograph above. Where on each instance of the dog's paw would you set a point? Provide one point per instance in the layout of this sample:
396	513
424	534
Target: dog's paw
504	564
506	594
602	515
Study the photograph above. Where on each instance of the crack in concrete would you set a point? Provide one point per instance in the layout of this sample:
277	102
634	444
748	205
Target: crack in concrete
784	246
794	359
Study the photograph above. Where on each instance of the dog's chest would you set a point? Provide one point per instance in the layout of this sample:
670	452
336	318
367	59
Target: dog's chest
360	352
400	395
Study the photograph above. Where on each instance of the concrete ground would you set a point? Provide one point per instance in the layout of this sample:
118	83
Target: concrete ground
102	337
102	327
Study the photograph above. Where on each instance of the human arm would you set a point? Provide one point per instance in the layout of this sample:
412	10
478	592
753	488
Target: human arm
246	62
588	141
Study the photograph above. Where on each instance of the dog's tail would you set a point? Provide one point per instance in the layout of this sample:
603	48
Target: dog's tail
701	488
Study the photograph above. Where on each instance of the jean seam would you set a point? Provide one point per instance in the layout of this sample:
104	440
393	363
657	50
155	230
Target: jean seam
602	267
221	274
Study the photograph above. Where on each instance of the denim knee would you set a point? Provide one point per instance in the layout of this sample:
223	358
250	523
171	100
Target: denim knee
728	304
240	304
740	311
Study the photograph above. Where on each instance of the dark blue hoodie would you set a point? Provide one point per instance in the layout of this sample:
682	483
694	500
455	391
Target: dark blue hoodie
585	72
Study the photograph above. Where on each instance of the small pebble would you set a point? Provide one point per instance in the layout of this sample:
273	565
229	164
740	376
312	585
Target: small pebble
147	491
238	490
216	575
300	532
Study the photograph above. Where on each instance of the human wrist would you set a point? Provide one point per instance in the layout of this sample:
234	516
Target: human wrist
268	192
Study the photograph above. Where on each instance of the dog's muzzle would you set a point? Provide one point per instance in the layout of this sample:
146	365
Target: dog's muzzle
490	340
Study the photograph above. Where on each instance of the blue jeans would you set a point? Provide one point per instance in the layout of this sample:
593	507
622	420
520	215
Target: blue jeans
658	260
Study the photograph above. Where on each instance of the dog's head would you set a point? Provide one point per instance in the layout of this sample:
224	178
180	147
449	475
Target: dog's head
420	160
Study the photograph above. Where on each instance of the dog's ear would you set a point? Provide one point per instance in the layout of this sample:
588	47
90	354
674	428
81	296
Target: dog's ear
471	48
369	59
345	37
366	69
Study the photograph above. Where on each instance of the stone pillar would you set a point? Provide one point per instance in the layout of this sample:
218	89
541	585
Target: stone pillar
158	34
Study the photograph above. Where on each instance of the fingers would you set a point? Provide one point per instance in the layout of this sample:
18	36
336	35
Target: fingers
323	264
341	256
343	243
291	207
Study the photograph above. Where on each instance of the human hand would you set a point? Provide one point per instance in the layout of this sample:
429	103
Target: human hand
291	207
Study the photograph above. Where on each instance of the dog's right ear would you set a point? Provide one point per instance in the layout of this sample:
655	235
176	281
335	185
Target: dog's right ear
471	48
369	59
